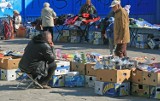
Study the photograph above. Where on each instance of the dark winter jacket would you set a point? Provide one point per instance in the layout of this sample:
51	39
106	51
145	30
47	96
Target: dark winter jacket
38	54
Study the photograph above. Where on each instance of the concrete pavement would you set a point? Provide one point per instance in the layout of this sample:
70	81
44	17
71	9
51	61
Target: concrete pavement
9	93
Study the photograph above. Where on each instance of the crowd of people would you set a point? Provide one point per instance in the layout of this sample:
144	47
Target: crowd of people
39	57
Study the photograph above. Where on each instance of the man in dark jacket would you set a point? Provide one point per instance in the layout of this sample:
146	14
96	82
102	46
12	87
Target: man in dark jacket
38	58
88	8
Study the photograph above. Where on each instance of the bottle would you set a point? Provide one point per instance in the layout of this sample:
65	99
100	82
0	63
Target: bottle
83	57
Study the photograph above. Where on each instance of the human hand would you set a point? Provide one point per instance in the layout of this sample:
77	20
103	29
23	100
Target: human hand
51	44
120	41
105	36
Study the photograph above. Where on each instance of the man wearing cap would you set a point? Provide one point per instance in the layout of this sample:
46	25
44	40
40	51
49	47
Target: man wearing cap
121	29
48	15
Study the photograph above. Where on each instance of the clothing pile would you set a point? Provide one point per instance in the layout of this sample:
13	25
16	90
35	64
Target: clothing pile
5	28
83	19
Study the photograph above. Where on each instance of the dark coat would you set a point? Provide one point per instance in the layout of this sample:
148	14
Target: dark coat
38	54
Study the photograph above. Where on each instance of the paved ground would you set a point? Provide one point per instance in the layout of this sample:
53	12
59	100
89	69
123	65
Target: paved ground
9	93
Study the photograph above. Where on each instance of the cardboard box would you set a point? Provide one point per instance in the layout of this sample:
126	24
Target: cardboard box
9	62
90	70
142	37
151	43
116	76
98	89
61	70
136	76
112	89
63	67
63	39
8	74
57	81
74	33
116	89
97	35
155	92
140	90
137	45
143	45
154	79
90	81
74	81
75	39
146	78
98	41
80	67
65	32
21	32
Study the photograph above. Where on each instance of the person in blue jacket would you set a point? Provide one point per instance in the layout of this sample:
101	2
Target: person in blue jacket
110	35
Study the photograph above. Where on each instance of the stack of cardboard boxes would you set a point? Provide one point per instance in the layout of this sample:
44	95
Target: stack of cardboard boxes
145	84
8	67
64	37
98	39
75	36
141	41
58	79
113	82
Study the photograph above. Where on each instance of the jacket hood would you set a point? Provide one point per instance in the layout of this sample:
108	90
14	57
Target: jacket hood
38	39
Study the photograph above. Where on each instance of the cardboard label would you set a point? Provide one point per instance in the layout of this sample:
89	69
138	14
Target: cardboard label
57	81
116	89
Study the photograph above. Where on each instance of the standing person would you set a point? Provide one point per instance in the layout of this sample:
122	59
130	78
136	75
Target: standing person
39	58
110	34
127	8
48	15
88	8
17	20
121	29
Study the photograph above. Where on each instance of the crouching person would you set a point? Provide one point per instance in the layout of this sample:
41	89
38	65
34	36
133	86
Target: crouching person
39	58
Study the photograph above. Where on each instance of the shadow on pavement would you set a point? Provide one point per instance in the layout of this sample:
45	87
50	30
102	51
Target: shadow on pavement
90	92
15	41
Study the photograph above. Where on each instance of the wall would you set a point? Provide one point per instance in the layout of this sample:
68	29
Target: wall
158	12
7	7
146	9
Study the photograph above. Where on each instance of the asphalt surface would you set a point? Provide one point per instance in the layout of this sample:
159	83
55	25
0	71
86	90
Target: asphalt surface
8	92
